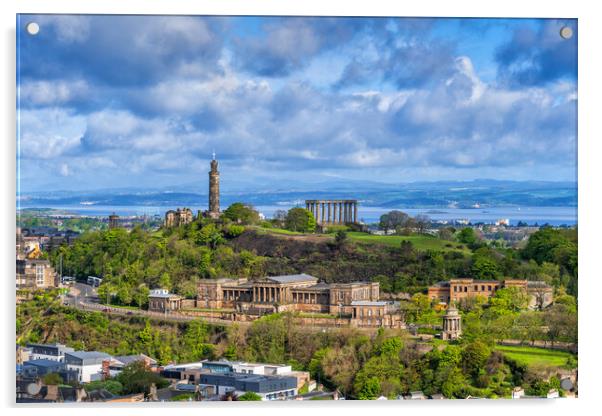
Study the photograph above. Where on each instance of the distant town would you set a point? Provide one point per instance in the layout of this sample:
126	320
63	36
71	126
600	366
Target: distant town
393	308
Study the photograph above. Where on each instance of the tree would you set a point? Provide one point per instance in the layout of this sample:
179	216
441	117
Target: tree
446	233
52	379
241	213
196	337
422	222
509	300
250	396
136	378
340	238
393	220
467	236
300	219
474	357
210	236
140	295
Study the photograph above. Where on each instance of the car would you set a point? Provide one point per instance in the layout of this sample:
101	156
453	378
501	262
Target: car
105	310
130	313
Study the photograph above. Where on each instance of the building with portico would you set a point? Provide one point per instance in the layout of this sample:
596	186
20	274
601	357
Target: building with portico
300	292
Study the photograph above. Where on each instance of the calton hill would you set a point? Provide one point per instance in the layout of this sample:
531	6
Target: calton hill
504	343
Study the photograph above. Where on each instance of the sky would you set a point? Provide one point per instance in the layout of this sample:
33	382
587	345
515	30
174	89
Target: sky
144	101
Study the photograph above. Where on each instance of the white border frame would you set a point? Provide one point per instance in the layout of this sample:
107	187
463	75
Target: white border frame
590	32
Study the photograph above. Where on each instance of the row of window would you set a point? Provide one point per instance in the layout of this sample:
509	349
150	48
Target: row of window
476	288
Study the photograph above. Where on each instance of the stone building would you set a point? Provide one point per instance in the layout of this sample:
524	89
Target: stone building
178	217
332	212
455	290
300	292
160	300
35	274
113	221
452	324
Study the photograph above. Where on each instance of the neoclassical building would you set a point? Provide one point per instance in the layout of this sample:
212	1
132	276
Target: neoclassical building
331	212
455	290
299	292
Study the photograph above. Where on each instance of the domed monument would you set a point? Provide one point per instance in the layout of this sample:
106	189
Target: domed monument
452	324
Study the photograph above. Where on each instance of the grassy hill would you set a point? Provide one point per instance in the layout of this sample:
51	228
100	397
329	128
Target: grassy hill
536	357
420	242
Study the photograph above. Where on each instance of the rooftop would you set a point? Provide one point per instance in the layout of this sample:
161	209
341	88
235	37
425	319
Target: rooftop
369	303
88	355
292	278
43	363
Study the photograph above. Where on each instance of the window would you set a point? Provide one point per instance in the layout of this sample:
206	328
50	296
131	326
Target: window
483	288
489	288
465	288
476	288
39	275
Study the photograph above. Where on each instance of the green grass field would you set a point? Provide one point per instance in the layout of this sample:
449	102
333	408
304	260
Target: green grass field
533	356
420	242
276	231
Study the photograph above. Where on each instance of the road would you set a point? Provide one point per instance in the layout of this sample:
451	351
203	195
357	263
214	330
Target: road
83	296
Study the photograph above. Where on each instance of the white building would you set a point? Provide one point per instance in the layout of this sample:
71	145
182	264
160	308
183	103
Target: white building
53	352
87	364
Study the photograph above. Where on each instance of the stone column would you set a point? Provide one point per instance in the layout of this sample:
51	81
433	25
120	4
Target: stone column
349	216
329	212
340	212
355	212
322	212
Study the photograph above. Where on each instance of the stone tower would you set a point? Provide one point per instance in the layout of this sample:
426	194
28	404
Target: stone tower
452	324
213	190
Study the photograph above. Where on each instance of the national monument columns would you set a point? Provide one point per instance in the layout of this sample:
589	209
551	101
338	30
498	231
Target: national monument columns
333	211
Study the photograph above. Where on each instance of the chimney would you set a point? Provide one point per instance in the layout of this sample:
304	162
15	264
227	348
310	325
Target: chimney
152	395
80	394
52	392
106	373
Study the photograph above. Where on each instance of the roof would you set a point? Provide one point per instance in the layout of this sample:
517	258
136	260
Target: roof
292	278
43	363
369	303
538	284
164	295
88	355
128	359
319	286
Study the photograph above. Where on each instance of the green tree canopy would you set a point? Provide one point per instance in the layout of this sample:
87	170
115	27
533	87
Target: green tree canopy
250	396
300	219
136	378
241	213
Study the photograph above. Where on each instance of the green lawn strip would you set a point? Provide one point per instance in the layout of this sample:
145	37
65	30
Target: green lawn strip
134	308
420	242
533	356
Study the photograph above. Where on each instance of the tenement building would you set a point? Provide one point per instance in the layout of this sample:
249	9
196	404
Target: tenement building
331	212
178	217
33	272
456	290
300	292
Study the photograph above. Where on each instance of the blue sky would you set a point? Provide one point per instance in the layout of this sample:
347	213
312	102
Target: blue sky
143	101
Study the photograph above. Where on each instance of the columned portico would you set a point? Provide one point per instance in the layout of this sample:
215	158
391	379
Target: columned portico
333	211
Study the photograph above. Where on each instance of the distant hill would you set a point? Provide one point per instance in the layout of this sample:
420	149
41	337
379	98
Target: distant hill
459	194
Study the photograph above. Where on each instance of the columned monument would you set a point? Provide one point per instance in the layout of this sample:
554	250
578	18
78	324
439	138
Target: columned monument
333	211
452	324
213	211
